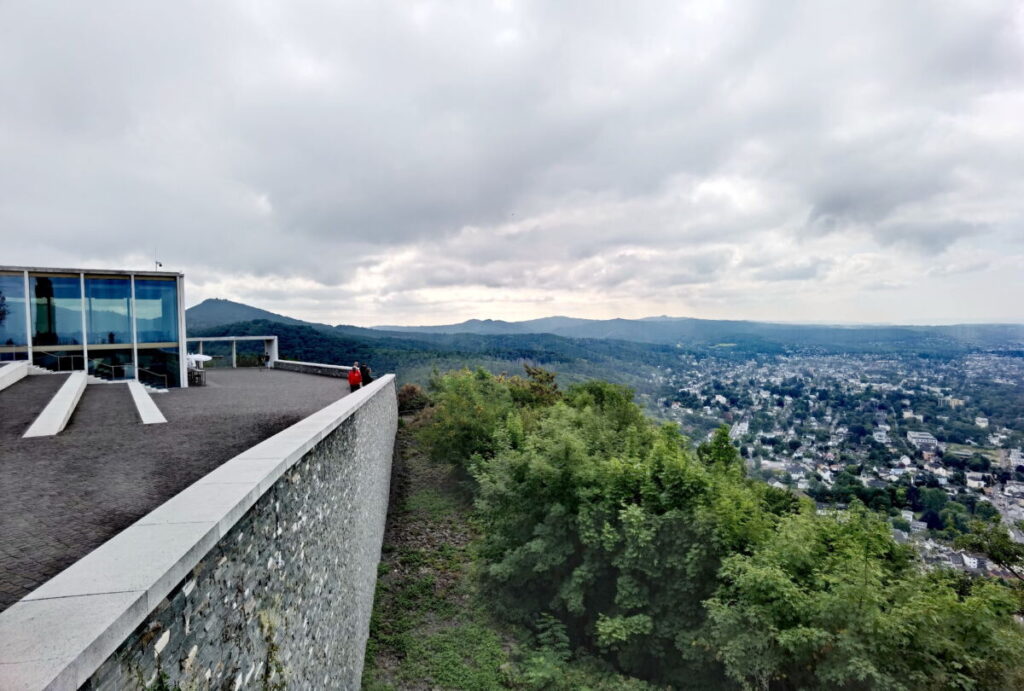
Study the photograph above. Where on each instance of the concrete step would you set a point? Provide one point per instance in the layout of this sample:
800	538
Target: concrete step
57	412
12	372
36	369
148	412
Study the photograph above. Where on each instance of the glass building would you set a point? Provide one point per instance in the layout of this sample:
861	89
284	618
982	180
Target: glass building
112	324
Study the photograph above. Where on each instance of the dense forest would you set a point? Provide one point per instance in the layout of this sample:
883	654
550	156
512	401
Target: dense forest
617	537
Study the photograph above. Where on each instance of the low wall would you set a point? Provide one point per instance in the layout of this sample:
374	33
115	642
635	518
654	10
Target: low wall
12	372
260	575
313	368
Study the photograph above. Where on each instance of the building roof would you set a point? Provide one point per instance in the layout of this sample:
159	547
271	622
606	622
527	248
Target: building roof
113	272
63	496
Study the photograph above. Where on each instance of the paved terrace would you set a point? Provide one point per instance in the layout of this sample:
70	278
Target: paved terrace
63	496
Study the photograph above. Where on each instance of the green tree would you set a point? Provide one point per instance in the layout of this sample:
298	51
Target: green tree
834	603
993	539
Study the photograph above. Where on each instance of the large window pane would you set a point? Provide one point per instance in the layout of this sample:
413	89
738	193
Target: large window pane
156	305
56	310
159	367
112	363
59	360
12	310
108	310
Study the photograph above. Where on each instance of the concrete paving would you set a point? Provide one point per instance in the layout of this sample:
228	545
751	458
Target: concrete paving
62	496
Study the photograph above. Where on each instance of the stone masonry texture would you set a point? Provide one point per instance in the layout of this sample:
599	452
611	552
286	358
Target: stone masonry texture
283	601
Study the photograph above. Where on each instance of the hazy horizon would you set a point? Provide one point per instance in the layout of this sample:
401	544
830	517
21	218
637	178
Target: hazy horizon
383	325
414	163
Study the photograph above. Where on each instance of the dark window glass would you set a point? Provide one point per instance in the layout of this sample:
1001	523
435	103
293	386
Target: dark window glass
159	367
12	310
59	360
156	305
56	310
108	307
111	363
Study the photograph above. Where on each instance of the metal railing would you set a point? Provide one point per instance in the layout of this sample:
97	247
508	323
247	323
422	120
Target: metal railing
99	367
156	375
60	359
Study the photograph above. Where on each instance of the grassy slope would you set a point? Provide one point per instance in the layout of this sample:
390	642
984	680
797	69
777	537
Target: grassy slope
430	628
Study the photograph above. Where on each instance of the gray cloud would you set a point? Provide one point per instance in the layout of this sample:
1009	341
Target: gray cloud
491	159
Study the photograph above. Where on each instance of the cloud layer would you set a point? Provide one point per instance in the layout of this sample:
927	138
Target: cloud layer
418	162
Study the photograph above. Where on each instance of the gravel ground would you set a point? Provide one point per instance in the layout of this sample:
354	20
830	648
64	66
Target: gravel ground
63	496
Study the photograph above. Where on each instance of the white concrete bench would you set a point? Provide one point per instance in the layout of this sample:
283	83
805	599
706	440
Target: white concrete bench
12	372
148	411
57	412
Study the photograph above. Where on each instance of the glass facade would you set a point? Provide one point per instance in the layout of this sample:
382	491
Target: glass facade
159	367
112	363
115	325
13	336
56	310
156	306
108	310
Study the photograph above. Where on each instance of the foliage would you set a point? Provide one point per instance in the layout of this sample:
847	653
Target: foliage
993	539
675	567
833	602
411	399
430	628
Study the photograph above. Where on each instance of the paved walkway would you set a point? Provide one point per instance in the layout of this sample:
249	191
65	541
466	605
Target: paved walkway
63	496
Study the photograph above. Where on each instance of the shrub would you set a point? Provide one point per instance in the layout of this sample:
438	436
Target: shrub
412	399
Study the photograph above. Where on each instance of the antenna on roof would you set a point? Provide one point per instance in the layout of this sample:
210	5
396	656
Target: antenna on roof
158	265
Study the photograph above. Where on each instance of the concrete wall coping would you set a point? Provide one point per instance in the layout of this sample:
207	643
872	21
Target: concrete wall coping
144	405
55	416
12	372
59	634
344	368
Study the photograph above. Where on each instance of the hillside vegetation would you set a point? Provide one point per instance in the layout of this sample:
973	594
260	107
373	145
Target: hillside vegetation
597	533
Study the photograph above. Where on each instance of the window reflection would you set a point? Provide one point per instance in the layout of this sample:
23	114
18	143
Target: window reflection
112	363
12	310
156	305
56	310
108	310
159	367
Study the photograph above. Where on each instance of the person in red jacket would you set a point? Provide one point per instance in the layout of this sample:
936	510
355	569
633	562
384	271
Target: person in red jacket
355	379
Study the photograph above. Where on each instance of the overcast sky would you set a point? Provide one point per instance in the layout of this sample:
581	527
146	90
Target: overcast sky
421	162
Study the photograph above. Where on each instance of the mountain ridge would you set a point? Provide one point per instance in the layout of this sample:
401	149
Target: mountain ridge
745	336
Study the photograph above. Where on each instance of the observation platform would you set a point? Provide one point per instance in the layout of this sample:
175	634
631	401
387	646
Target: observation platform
62	496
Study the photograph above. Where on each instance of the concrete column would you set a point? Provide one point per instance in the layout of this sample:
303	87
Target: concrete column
28	319
182	342
135	334
270	348
85	330
234	353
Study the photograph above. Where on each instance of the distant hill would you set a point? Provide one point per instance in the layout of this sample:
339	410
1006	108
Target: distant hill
215	312
748	335
580	337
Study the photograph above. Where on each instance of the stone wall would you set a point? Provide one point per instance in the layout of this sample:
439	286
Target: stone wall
313	368
283	600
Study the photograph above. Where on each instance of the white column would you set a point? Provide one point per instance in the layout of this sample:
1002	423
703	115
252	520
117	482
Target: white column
28	320
234	353
182	343
85	331
135	333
